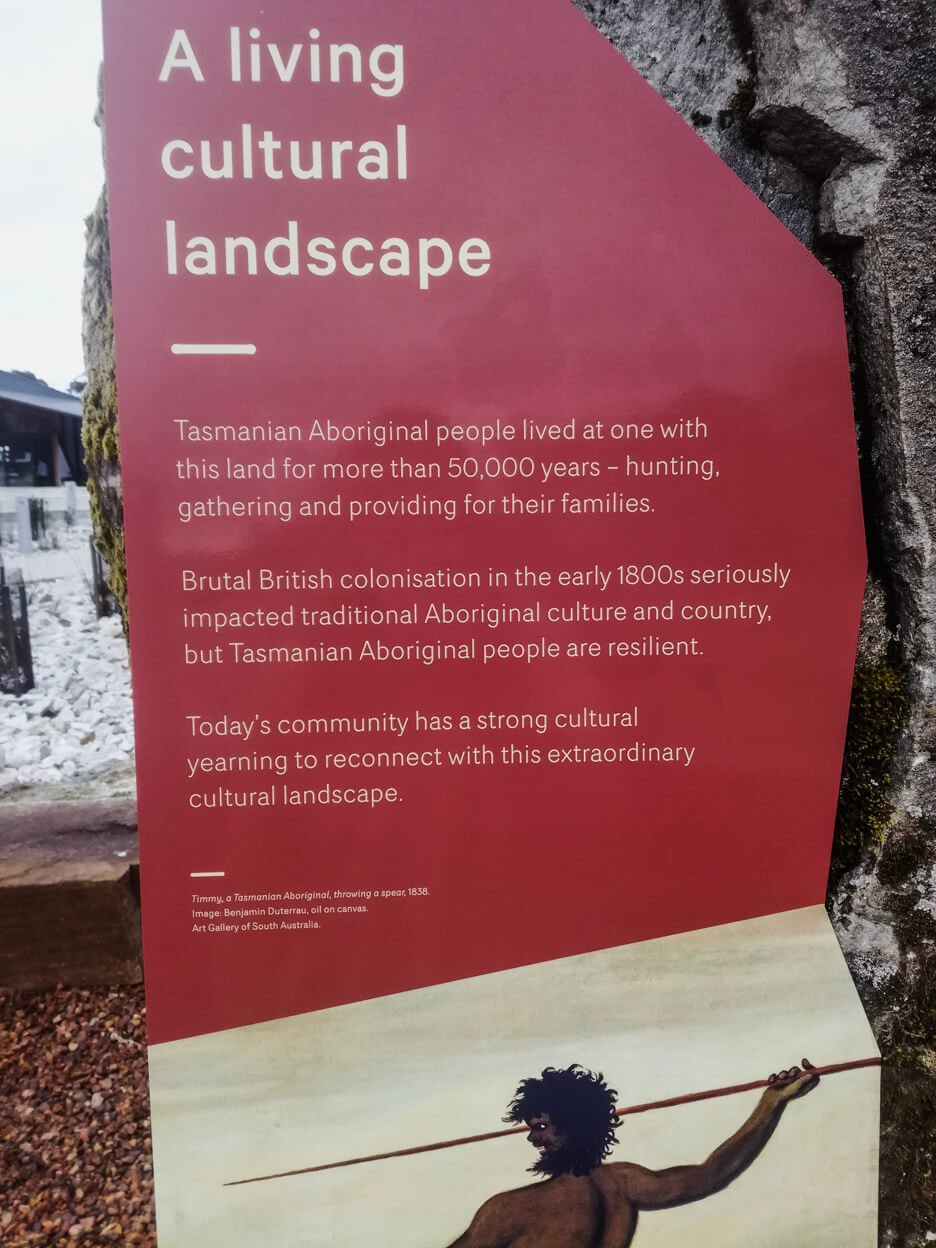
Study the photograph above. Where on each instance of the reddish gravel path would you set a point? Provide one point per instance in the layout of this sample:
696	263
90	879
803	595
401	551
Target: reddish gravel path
75	1153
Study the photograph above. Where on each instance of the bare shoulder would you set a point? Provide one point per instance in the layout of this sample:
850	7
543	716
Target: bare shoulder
498	1215
623	1179
518	1208
489	1227
619	1171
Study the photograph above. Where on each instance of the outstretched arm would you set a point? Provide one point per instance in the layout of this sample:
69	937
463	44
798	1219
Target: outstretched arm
678	1185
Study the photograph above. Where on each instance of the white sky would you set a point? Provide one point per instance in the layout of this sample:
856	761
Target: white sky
51	175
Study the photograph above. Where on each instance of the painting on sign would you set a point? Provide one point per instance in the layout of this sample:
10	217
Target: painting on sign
572	1120
632	1079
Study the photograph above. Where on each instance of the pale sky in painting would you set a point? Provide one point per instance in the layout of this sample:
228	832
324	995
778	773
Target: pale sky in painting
50	156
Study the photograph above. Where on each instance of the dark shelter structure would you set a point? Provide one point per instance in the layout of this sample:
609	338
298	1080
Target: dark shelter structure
40	433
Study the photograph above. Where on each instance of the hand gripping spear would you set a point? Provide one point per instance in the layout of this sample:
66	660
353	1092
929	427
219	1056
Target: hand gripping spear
622	1112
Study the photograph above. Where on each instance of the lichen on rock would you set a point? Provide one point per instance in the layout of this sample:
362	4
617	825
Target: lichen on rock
877	718
100	432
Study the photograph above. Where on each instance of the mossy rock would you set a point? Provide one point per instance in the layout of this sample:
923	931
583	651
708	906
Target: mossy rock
100	432
878	715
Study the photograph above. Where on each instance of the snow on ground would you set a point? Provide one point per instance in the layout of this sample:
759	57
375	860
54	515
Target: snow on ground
71	736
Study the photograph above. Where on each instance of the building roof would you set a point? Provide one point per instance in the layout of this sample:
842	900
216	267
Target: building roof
31	392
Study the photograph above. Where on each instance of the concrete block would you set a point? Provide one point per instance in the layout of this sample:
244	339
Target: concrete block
69	894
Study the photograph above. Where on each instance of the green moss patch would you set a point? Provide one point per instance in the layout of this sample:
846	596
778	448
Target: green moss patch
877	716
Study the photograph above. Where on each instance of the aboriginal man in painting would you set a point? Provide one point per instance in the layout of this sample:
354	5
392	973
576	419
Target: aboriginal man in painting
587	1202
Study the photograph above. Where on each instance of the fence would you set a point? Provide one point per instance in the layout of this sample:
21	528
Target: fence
16	668
104	601
37	518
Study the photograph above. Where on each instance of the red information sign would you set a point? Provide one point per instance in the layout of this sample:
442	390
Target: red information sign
495	549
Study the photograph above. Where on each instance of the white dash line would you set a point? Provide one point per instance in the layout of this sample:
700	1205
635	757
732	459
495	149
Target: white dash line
202	875
214	348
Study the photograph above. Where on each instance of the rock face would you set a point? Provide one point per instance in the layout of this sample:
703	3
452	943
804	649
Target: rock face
827	110
100	433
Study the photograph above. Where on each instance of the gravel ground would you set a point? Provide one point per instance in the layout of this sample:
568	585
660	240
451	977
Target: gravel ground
75	1150
74	732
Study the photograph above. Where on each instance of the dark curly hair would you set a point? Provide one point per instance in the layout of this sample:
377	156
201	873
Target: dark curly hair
581	1106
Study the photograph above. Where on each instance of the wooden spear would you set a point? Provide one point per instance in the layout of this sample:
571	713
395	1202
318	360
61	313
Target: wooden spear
623	1112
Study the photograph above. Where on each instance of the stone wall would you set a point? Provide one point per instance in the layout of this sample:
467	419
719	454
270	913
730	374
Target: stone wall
827	110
